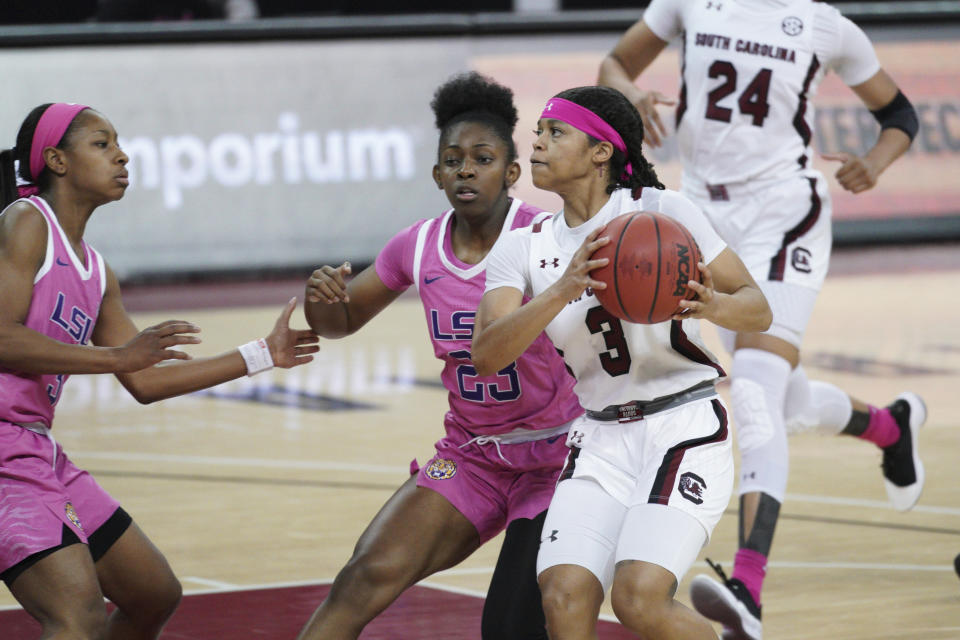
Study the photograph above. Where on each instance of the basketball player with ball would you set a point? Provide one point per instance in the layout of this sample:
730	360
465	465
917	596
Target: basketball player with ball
650	469
744	127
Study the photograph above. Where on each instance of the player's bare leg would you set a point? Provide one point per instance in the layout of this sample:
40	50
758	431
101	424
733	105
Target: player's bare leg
61	592
136	577
643	600
416	533
572	596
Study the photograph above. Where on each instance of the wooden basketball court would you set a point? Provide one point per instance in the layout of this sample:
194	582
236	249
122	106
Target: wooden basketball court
269	481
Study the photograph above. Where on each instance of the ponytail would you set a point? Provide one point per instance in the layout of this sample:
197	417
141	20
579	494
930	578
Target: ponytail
8	179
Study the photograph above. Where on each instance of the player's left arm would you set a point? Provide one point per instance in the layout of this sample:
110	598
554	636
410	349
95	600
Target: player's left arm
288	348
898	126
728	296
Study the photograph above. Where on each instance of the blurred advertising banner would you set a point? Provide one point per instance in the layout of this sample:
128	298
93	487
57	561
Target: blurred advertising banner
255	155
252	155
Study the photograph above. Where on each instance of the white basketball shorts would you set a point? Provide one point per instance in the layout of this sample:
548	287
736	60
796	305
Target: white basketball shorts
649	490
782	232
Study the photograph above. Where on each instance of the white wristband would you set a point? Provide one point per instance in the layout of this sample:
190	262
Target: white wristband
257	356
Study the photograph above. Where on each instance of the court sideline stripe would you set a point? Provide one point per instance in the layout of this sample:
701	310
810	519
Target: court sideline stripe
322	465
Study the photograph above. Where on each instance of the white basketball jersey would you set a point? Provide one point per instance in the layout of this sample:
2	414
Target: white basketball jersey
750	69
613	361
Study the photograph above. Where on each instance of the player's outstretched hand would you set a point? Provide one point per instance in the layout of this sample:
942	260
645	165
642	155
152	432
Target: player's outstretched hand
653	129
290	347
153	345
855	174
706	302
577	278
328	284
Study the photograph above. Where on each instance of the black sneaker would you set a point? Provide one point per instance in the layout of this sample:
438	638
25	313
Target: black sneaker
729	603
903	473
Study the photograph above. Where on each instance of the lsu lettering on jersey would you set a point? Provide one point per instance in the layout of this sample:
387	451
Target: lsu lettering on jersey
535	392
67	292
749	70
613	361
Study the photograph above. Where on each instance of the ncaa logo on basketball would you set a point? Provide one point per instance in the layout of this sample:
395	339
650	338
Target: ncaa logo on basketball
691	487
72	515
441	469
792	26
683	269
800	260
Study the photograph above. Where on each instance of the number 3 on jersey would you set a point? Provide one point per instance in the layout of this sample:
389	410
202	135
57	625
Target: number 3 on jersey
752	102
616	359
500	391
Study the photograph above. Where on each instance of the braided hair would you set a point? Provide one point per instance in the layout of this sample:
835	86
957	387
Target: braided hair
471	97
617	111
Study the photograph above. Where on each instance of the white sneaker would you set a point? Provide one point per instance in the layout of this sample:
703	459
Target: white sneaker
903	473
728	603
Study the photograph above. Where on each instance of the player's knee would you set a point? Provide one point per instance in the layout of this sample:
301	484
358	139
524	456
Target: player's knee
151	608
558	601
757	395
562	595
369	571
84	619
166	598
640	604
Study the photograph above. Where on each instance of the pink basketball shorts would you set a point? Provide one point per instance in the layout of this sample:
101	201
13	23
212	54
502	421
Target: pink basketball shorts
39	495
490	490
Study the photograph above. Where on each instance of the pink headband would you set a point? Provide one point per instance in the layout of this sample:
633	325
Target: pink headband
50	129
586	121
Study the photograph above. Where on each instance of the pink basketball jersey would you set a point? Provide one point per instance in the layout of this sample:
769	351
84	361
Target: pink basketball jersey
535	392
67	291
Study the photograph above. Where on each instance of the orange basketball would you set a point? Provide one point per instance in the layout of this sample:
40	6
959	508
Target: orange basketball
652	257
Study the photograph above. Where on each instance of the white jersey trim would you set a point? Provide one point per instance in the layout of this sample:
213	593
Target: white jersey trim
477	269
418	251
48	256
101	268
85	272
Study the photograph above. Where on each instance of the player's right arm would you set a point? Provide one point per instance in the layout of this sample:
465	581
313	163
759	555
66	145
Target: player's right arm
335	308
23	244
638	47
504	326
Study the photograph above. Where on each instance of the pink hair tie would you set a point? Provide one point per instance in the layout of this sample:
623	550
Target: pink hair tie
50	129
27	190
587	121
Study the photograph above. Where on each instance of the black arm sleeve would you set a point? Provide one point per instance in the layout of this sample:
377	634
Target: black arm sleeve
898	114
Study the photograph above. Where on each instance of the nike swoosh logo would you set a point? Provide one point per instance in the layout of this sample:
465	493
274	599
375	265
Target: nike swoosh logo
553	439
427	280
62	264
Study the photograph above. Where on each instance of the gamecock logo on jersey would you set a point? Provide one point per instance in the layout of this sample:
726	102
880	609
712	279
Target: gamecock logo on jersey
441	469
800	260
792	26
692	487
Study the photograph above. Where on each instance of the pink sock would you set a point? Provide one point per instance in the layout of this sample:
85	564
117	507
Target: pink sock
750	568
882	430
